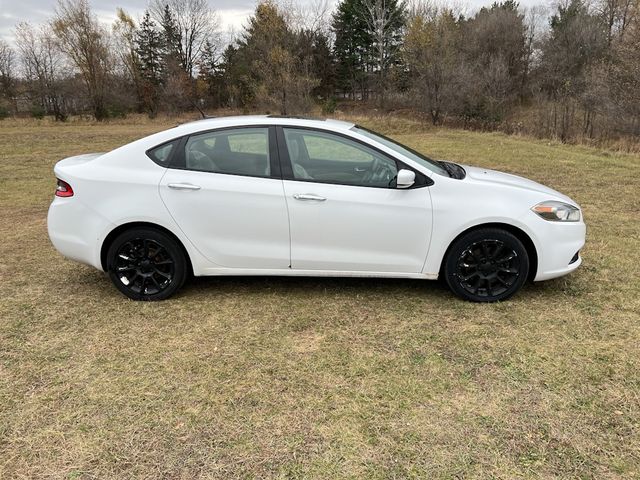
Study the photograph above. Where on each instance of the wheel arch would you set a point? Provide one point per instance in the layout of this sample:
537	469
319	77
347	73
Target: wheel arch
126	226
516	231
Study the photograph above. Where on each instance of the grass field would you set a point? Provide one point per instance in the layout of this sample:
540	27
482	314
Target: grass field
320	378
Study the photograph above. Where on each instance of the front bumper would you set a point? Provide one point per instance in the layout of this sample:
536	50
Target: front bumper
558	244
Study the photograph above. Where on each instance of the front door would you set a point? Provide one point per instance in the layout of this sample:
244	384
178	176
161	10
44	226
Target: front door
344	210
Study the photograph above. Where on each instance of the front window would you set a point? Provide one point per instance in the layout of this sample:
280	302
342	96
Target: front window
328	158
402	150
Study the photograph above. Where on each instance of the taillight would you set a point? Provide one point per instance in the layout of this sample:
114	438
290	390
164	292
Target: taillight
63	189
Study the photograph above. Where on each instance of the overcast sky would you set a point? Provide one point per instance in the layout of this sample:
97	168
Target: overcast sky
233	13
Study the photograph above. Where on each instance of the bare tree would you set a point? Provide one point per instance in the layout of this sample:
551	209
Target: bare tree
617	15
195	23
43	65
7	72
314	17
534	19
85	41
384	20
124	36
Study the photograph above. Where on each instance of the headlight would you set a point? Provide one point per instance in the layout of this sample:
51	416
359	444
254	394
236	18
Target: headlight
557	211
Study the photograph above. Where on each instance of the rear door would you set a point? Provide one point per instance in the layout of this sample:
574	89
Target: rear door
224	190
345	212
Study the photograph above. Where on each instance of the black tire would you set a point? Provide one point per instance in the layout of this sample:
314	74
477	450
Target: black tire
486	265
146	264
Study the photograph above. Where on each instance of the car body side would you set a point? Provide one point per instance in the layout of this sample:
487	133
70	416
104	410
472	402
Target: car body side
131	196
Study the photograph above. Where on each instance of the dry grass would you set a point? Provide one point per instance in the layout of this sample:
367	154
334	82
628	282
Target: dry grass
321	378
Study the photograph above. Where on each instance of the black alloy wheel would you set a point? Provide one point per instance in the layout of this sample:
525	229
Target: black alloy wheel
487	265
146	264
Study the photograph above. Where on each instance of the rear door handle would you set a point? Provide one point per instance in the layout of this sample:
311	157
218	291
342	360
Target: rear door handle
309	196
184	186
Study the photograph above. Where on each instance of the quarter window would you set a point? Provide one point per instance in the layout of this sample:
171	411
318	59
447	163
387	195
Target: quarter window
243	151
328	158
162	153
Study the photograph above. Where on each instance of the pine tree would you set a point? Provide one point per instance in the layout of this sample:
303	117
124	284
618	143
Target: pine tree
171	35
151	53
210	74
352	41
368	38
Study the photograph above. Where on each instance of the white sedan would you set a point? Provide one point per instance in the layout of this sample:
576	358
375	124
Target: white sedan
268	195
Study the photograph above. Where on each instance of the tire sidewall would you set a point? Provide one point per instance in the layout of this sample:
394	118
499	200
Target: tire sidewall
171	246
461	244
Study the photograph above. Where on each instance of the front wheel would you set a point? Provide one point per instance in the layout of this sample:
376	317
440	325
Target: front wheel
146	264
486	265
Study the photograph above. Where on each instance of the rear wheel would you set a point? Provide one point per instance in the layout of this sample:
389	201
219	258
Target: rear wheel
486	265
146	264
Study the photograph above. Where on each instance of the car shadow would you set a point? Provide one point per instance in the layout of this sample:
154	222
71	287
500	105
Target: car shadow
309	284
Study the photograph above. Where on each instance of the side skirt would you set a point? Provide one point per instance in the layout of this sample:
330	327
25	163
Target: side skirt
312	273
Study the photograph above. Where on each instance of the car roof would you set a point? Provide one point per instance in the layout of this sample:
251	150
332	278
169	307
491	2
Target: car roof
242	120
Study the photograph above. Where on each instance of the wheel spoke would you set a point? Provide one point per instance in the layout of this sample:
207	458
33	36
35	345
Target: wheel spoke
164	262
509	257
470	276
163	274
155	282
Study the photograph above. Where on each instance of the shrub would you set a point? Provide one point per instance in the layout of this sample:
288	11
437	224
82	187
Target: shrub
37	112
329	106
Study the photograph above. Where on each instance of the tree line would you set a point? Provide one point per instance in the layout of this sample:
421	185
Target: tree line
569	72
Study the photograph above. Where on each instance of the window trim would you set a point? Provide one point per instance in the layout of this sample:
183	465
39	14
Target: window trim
177	140
287	166
178	159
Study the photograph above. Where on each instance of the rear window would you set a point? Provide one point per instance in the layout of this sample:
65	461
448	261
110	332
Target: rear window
162	153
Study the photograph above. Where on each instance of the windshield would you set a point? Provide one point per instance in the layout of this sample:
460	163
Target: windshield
402	150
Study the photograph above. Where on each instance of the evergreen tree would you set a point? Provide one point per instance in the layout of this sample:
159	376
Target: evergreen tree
210	74
368	39
352	42
151	54
171	35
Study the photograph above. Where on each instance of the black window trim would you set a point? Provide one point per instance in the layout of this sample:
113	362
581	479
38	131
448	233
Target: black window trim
178	160
287	168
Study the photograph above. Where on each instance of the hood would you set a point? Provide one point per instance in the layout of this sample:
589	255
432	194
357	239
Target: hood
487	176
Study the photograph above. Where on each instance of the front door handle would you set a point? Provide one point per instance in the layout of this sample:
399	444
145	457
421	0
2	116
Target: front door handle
309	196
184	186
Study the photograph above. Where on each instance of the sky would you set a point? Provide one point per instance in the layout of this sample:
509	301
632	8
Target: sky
233	14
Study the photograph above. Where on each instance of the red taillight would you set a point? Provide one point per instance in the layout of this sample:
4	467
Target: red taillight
63	189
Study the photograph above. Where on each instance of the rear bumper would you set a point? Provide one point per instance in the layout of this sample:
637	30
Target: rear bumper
558	244
76	231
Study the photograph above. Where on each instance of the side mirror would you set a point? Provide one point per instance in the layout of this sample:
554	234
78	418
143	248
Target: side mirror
405	178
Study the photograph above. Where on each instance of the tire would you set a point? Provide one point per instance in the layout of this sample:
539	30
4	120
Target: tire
486	265
146	264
